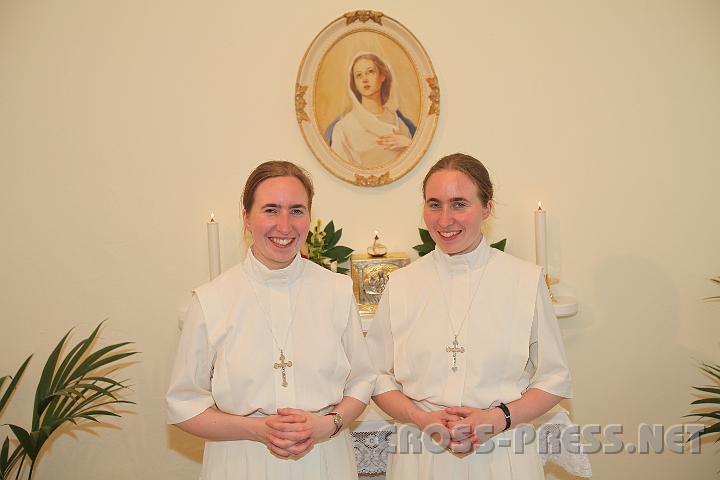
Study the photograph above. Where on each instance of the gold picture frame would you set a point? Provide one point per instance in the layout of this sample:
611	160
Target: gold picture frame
367	99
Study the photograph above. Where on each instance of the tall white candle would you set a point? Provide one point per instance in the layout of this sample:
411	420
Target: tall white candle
213	232
540	238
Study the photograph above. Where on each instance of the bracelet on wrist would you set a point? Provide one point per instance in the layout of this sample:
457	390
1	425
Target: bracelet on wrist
506	412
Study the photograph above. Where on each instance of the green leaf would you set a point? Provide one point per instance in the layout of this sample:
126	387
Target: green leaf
428	244
39	438
102	412
17	455
715	428
104	380
46	380
710	370
11	387
86	386
425	236
715	415
71	359
90	402
706	400
343	270
25	440
4	451
500	245
338	252
56	401
90	405
423	249
95	360
329	228
708	390
332	239
88	417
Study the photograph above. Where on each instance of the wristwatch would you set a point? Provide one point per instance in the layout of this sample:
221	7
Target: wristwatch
337	420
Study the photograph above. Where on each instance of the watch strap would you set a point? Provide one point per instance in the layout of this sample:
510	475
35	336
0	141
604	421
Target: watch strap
337	420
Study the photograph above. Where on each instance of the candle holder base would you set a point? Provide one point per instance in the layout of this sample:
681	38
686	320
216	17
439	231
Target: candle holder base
551	281
565	307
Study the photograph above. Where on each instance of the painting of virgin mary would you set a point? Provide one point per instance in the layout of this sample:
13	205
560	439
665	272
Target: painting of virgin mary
367	99
374	132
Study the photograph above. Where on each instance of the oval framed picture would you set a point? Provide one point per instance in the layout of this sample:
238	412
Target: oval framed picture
367	98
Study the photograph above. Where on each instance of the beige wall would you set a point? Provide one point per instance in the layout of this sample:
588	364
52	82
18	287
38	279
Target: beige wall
123	124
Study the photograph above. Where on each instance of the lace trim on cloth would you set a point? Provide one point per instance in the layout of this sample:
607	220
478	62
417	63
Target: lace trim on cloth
577	464
371	450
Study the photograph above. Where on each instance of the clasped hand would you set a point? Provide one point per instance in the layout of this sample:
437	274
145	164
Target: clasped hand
474	426
293	431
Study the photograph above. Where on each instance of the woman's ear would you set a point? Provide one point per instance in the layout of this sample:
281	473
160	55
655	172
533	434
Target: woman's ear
245	220
487	209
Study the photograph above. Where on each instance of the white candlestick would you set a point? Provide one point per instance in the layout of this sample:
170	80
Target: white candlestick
540	238
213	232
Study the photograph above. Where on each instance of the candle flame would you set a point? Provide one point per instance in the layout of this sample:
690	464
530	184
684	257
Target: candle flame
539	205
212	217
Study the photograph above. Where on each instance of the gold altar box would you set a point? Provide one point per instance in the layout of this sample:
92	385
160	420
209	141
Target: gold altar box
370	274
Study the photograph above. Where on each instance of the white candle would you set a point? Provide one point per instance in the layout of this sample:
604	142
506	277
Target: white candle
213	232
540	238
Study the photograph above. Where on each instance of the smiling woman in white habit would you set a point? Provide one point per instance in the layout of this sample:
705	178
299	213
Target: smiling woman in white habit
466	336
272	362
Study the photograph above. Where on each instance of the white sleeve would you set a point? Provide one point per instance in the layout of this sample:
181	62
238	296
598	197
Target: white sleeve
190	392
381	346
361	382
547	352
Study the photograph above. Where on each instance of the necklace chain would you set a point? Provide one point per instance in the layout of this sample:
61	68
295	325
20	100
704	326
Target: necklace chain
447	304
280	346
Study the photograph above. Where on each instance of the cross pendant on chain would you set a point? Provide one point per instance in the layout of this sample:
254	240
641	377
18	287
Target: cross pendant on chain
455	349
283	365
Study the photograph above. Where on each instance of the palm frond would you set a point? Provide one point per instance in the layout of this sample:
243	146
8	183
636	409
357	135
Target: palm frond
7	463
72	388
13	383
715	428
714	297
714	390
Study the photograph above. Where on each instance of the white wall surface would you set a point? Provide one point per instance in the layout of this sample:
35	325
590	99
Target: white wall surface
123	124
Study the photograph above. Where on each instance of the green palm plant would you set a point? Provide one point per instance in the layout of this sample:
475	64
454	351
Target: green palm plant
72	389
713	399
712	370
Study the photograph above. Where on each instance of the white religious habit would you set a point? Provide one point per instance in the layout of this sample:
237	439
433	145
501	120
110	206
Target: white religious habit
230	357
470	330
